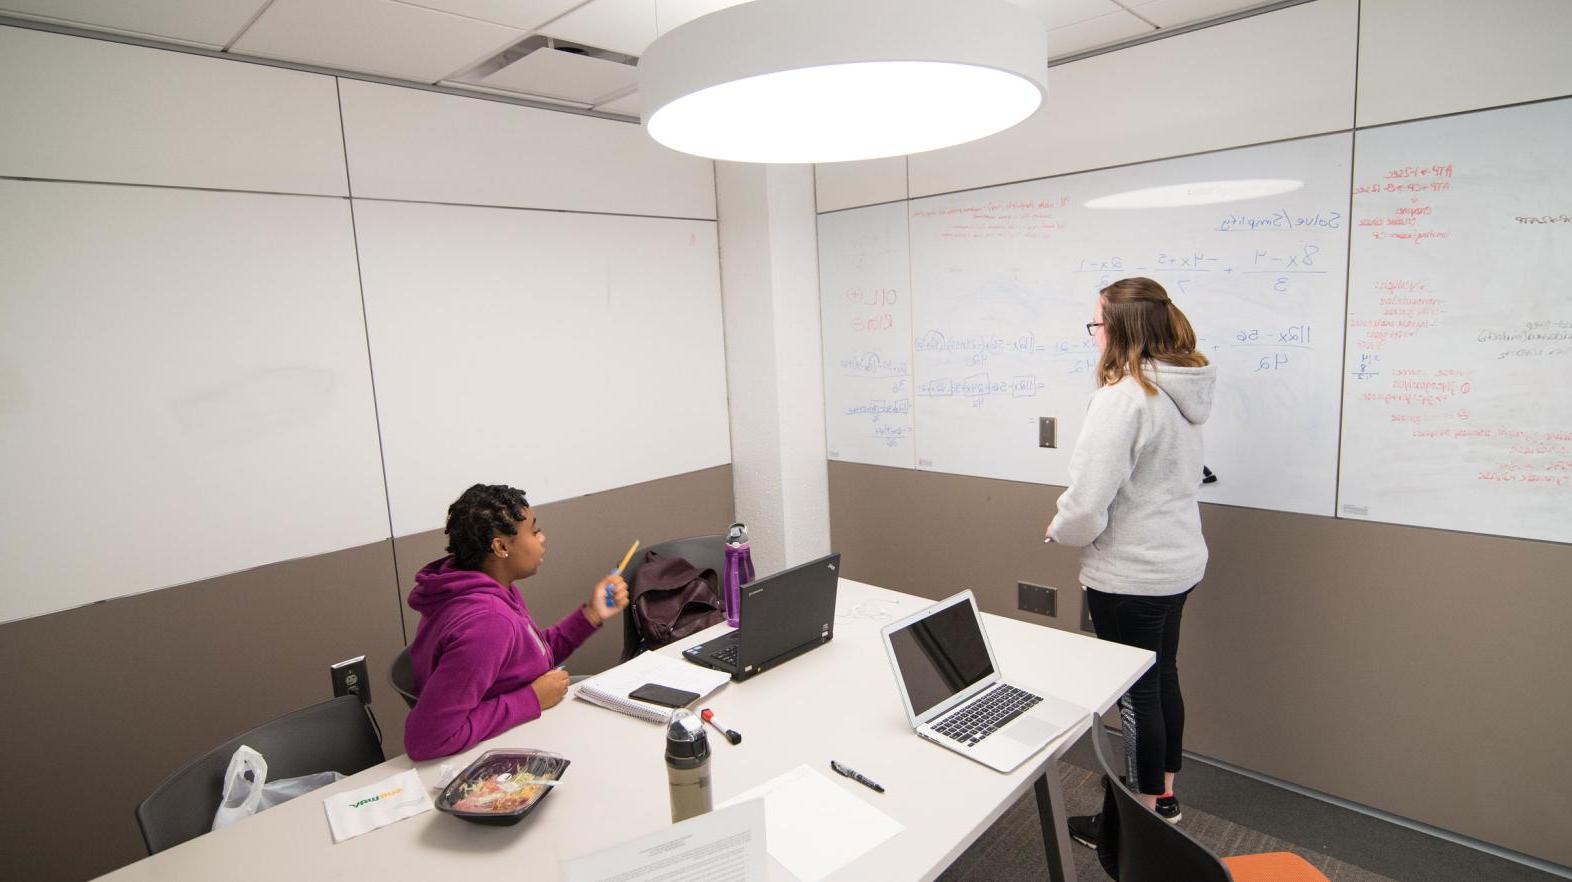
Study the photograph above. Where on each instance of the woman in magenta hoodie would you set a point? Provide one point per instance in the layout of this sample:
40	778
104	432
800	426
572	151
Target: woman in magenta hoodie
481	664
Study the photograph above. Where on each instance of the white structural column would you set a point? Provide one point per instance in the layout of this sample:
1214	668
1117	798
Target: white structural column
774	366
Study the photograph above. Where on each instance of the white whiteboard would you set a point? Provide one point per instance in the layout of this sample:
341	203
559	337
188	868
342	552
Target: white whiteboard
558	352
1457	410
865	310
183	389
1004	280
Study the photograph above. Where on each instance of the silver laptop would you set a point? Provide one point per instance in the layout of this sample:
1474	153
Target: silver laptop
950	685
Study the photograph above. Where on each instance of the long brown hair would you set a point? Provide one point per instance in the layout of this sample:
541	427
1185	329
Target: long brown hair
1140	323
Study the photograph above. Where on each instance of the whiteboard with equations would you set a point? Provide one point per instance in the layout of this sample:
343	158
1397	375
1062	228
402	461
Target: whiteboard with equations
865	312
1457	408
1005	279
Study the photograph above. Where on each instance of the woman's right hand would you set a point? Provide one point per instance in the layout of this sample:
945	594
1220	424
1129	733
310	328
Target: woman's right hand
550	687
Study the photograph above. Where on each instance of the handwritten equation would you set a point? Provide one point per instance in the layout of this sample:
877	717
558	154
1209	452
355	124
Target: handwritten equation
978	348
874	366
980	387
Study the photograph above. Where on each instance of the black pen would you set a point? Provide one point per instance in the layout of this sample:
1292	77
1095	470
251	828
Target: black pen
847	772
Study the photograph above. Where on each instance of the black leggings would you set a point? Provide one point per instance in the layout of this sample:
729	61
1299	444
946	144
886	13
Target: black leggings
1152	712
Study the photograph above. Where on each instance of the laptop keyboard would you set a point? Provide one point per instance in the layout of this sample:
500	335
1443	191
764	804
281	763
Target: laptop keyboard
981	717
727	655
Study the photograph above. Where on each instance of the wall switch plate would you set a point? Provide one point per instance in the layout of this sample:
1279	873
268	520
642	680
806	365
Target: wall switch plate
1038	599
350	678
1047	432
1086	615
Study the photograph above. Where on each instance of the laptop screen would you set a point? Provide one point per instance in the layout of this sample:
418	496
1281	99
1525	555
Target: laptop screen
940	655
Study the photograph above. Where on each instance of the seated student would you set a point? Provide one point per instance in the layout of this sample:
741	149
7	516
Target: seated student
481	664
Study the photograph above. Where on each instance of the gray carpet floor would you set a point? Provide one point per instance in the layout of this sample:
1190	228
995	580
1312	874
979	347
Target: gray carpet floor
1234	814
1013	848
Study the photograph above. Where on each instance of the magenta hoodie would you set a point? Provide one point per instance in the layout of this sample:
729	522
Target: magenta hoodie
475	654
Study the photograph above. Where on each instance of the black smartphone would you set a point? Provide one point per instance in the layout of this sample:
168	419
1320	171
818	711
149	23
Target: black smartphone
665	696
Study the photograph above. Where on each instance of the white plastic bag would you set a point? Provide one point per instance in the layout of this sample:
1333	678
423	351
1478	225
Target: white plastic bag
248	791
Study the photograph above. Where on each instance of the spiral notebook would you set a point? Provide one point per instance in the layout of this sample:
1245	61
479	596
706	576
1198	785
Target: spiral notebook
610	689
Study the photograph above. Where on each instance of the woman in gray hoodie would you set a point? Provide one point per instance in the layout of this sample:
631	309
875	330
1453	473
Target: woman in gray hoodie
1132	506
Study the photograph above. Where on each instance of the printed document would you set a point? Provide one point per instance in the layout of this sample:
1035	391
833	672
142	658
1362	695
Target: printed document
725	845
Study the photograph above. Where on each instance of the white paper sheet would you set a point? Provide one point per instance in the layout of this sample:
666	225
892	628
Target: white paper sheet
385	802
610	689
725	845
813	826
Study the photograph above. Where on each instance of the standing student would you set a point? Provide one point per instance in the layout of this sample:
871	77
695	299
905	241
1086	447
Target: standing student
481	664
1132	506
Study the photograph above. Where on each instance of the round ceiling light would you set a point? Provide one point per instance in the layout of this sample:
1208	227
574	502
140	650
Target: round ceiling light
794	81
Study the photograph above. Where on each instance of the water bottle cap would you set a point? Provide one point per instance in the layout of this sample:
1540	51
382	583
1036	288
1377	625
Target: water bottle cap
685	735
737	534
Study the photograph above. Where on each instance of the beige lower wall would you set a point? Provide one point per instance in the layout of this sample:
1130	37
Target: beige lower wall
101	703
1417	671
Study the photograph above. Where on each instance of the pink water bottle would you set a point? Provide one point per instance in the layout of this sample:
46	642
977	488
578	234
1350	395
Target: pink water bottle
739	572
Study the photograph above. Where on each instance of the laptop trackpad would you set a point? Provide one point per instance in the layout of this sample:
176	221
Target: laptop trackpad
1030	730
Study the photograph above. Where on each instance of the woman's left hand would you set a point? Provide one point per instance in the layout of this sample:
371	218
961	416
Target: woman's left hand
599	610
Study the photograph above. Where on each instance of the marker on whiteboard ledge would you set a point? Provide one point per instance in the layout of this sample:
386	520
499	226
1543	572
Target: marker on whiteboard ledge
611	592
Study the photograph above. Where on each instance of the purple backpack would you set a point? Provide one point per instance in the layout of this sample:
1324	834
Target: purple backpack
672	599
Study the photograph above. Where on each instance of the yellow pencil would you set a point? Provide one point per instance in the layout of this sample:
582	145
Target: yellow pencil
620	567
625	558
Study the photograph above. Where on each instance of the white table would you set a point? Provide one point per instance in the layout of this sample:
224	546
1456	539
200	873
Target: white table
837	702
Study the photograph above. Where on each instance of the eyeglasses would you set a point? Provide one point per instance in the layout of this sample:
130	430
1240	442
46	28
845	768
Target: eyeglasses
1089	328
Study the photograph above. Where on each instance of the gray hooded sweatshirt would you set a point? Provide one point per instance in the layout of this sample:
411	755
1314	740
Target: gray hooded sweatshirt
1134	479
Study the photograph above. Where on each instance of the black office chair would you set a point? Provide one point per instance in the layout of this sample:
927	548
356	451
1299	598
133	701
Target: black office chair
335	735
1134	844
704	552
402	675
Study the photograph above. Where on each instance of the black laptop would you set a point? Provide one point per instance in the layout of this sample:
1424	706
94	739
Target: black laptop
783	616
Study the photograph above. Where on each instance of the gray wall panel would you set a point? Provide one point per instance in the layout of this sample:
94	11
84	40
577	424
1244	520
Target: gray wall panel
1417	671
104	701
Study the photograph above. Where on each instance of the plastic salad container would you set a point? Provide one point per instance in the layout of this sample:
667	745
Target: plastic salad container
502	786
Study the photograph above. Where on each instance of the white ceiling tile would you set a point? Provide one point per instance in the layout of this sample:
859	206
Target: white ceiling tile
204	22
628	105
523	14
373	36
1095	32
625	26
629	26
1058	13
564	75
1171	13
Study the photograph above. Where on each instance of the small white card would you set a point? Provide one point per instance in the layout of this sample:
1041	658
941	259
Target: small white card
385	802
814	825
725	845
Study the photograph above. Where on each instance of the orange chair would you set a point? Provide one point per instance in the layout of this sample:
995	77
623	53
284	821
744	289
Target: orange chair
1135	845
1272	866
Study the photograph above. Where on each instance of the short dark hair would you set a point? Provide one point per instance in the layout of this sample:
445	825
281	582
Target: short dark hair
482	512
